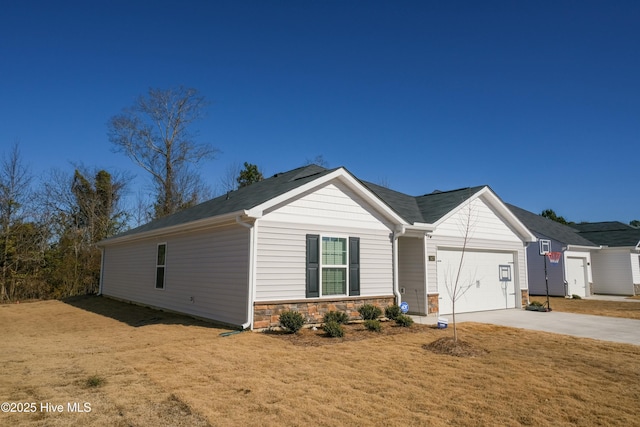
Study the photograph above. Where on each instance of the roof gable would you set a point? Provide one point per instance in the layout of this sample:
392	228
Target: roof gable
254	199
435	206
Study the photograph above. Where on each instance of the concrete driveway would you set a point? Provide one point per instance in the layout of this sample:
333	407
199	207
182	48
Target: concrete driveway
579	325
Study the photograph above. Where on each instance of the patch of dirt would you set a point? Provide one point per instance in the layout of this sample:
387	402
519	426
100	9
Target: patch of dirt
447	346
308	337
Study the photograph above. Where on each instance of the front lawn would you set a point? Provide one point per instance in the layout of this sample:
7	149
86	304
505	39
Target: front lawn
627	309
136	366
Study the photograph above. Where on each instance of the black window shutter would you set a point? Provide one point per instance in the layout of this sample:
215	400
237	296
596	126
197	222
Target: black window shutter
313	264
354	266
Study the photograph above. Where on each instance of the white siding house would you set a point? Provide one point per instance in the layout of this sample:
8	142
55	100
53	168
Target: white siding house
473	222
205	272
615	266
315	240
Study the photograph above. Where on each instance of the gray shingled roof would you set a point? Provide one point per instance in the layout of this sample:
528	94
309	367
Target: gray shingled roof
549	228
602	226
426	209
240	199
404	205
611	233
437	204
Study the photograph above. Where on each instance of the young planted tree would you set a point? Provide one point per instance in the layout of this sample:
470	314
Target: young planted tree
156	133
456	284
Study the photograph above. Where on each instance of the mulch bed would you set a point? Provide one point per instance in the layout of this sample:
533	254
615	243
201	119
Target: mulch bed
448	346
309	337
352	332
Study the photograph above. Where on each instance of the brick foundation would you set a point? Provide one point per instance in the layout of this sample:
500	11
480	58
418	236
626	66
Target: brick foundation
525	297
433	304
636	289
267	315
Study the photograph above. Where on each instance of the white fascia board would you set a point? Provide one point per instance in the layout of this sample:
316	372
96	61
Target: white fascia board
419	228
201	223
583	248
513	220
341	175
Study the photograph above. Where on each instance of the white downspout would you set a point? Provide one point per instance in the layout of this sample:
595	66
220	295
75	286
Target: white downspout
250	286
396	285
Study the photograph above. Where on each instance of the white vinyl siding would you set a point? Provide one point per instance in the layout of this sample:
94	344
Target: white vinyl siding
281	260
484	223
332	210
411	273
612	272
206	273
333	204
281	246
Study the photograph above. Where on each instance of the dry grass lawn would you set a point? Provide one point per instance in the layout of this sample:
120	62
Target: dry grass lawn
629	309
163	369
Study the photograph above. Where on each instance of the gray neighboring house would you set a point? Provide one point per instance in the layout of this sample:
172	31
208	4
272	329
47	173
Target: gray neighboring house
573	275
616	267
314	240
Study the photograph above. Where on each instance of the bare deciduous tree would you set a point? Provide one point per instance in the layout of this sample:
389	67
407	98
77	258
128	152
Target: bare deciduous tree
80	209
229	180
455	283
15	195
318	160
156	134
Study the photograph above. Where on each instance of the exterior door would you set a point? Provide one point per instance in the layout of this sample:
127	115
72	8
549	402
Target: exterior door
577	276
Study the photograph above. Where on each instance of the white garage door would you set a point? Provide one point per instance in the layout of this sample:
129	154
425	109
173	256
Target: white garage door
486	280
577	276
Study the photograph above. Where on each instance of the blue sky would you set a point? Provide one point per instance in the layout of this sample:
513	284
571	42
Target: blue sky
540	100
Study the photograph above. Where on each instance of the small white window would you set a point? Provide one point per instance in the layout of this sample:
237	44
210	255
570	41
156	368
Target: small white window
160	265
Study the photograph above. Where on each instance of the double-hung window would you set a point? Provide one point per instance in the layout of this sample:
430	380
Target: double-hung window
161	260
333	266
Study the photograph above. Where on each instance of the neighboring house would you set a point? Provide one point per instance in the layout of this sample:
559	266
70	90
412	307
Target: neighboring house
573	274
315	240
616	267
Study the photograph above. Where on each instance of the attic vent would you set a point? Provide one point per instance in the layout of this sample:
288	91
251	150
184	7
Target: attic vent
304	175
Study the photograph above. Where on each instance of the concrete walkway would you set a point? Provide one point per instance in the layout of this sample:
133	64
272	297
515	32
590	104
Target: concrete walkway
580	325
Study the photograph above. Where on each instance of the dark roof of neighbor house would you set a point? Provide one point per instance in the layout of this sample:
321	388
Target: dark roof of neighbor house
602	226
612	233
549	228
426	209
437	204
242	198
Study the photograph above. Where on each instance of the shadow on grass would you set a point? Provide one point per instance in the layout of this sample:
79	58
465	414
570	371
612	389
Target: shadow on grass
135	315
